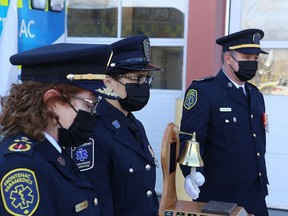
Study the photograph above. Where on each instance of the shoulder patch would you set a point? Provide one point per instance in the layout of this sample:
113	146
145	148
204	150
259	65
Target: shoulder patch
204	78
19	192
20	144
190	99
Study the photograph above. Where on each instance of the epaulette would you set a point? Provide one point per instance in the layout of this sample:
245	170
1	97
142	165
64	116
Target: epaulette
19	144
204	78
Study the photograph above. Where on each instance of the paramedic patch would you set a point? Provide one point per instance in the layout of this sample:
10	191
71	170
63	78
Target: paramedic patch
19	191
84	155
190	99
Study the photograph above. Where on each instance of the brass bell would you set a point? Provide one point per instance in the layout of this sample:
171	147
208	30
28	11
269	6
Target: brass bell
191	155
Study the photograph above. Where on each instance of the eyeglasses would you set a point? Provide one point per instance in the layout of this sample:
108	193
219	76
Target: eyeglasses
91	104
141	79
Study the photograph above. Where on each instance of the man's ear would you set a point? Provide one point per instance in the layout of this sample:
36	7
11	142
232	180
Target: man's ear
49	97
227	57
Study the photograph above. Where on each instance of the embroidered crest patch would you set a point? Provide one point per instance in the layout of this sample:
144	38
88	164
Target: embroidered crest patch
20	145
84	155
19	191
190	99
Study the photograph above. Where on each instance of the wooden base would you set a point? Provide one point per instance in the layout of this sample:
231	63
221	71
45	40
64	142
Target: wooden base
189	208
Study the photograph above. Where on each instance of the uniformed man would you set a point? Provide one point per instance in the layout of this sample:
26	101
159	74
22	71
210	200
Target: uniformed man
53	107
118	158
228	115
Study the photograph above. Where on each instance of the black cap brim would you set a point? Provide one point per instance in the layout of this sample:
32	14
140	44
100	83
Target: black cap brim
148	67
251	51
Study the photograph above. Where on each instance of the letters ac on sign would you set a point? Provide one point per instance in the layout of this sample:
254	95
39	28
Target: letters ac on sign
26	29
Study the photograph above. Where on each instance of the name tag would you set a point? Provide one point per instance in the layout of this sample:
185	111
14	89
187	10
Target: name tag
225	109
81	206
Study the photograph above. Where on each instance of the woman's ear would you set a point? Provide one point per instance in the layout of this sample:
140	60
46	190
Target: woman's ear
49	97
110	85
108	81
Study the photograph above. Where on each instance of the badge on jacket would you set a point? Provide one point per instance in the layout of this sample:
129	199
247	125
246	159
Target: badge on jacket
153	155
190	99
19	191
20	145
84	155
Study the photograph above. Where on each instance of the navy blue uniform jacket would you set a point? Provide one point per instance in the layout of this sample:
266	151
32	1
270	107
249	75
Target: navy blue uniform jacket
123	173
38	180
232	137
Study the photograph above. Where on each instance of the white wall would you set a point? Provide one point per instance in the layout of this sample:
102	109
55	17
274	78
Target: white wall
277	151
155	116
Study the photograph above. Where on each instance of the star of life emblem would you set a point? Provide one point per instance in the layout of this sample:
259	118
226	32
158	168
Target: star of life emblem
84	155
19	191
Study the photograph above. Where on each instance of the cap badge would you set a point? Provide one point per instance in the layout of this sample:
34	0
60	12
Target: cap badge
146	45
256	38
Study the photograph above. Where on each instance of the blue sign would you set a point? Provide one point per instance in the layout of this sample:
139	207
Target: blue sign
36	27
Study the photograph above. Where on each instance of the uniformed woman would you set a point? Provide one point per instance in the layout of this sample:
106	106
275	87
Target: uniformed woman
119	159
53	107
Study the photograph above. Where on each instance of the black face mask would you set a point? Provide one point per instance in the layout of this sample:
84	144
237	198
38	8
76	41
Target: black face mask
137	96
80	130
247	69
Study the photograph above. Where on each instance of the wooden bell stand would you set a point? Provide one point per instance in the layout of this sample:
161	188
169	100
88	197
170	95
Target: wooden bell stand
169	204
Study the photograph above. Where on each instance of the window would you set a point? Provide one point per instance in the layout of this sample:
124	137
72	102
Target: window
272	80
105	21
38	4
271	17
56	5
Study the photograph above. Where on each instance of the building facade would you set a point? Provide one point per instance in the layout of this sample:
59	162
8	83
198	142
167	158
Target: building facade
182	35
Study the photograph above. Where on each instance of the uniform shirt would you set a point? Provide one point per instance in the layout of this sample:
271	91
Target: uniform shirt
122	171
38	180
230	129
